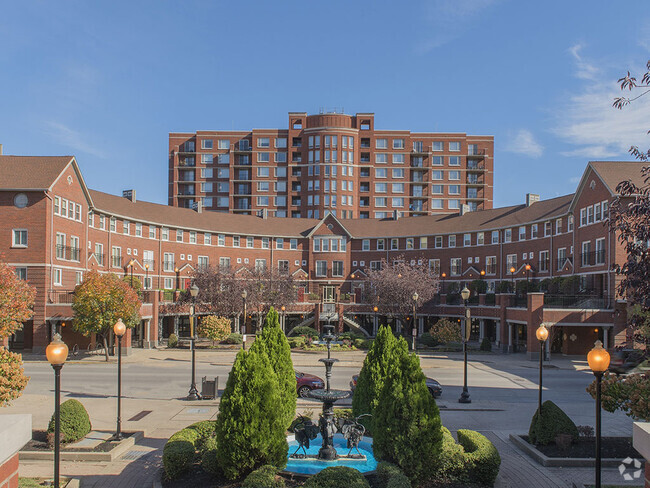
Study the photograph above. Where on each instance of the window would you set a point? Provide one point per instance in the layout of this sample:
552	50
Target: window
547	229
569	223
398	159
398	187
77	212
225	159
263	172
558	226
381	144
78	277
454	160
590	215
410	243
365	245
206	187
126	227
116	257
381	244
397	202
263	142
381	187
381	173
491	265
75	250
337	268
223	173
454	189
206	144
321	269
586	259
437	146
223	144
467	240
21	273
192	237
250	241
583	217
456	266
437	203
561	258
522	233
57	205
262	186
454	146
533	231
454	175
19	238
102	222
436	175
495	237
263	157
293	244
263	201
152	232
604	206
507	237
398	143
138	229
600	251
511	262
265	242
451	241
99	253
394	244
480	238
179	235
58	281
543	261
207	158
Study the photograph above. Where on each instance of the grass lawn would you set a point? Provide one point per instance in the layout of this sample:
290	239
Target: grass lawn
39	482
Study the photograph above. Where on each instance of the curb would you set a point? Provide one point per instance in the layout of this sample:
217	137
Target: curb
73	483
546	461
109	456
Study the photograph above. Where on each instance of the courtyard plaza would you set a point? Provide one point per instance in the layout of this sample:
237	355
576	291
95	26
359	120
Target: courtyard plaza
503	390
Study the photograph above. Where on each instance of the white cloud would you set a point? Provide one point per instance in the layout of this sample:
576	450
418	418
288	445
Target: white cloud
588	121
71	138
523	142
447	20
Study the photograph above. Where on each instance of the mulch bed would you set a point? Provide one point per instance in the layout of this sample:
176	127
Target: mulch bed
39	443
611	447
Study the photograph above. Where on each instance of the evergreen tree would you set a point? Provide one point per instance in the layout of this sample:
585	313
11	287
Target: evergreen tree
250	429
272	342
382	358
406	425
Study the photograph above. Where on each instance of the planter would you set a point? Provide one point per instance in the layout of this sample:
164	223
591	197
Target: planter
108	455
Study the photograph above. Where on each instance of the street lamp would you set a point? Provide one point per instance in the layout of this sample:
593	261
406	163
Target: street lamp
464	396
443	276
56	353
527	276
415	323
146	275
119	329
598	359
130	266
178	278
193	393
512	278
376	325
284	309
244	294
542	335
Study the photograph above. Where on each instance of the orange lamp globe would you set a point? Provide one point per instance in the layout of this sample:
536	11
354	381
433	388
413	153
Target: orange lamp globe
482	272
512	270
283	308
444	275
598	358
375	308
119	328
528	267
56	351
541	333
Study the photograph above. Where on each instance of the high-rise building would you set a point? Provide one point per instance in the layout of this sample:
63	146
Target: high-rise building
331	163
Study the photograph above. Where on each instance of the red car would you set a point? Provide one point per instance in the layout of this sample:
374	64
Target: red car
306	383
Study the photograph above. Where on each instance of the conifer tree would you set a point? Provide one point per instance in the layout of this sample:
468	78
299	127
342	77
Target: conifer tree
272	342
250	429
406	425
382	357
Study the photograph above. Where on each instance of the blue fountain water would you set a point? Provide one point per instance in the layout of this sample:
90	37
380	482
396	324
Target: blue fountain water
313	466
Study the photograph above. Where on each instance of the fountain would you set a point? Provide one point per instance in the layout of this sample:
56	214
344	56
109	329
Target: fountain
351	431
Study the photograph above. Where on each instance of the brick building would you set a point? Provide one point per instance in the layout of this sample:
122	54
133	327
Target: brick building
331	162
54	229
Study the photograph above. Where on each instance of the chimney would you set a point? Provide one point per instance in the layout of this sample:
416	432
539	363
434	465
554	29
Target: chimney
531	198
464	208
129	195
396	214
0	149
199	207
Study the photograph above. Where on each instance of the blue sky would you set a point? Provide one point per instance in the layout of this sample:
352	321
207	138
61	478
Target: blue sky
107	81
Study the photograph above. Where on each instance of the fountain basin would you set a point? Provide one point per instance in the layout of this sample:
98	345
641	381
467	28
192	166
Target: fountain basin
312	465
329	395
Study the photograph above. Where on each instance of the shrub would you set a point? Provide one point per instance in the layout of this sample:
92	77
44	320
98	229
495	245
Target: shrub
12	378
486	344
544	428
214	328
449	464
234	338
481	459
250	427
382	358
205	430
296	342
179	452
350	335
304	330
428	340
172	341
273	343
264	477
586	431
385	472
399	481
209	456
406	424
478	286
343	413
337	477
445	331
75	423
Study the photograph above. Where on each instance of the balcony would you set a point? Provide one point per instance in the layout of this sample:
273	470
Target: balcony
187	162
116	261
474	180
476	153
296	158
580	302
68	253
475	166
148	263
186	192
593	258
420	149
60	297
186	176
243	147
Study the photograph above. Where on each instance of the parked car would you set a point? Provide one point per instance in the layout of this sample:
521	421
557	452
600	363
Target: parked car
626	359
434	387
307	382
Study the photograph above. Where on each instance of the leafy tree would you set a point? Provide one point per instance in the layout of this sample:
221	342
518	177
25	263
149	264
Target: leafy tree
630	83
629	393
100	301
214	328
16	301
383	357
250	426
445	331
12	378
137	284
273	343
393	285
406	426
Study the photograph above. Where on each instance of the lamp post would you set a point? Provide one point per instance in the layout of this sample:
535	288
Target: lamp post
542	335
464	396
244	294
193	393
119	329
146	275
131	269
598	359
415	319
443	276
527	277
178	278
376	325
512	278
284	309
56	353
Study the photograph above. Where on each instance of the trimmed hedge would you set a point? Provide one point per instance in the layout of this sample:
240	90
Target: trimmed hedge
209	456
428	340
179	452
449	465
264	477
545	428
390	476
234	338
74	421
399	481
206	430
481	458
296	342
337	477
172	341
304	330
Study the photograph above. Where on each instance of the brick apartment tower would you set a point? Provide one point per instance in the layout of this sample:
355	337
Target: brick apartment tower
331	162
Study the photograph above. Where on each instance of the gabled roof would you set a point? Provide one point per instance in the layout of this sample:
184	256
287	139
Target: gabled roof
329	217
31	172
613	172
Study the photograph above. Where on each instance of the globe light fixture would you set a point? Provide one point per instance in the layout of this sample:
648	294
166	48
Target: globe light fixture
598	359
56	353
542	334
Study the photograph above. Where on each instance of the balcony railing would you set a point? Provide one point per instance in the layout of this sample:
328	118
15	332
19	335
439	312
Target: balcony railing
579	301
593	258
168	265
148	262
543	265
116	261
474	166
99	257
68	253
476	152
61	297
147	296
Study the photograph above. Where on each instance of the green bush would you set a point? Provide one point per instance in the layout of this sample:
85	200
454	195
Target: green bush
544	428
264	477
385	471
399	481
234	338
337	477
481	458
428	340
486	344
179	452
343	413
304	330
350	335
296	342
445	331
206	430
449	464
273	343
250	426
172	341
209	456
478	286
362	343
74	421
406	424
